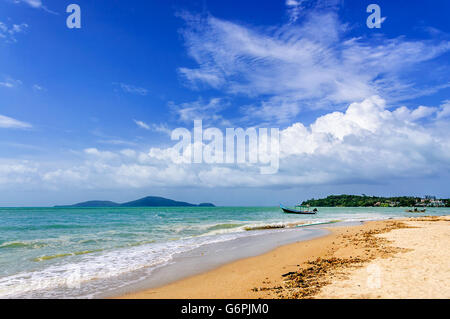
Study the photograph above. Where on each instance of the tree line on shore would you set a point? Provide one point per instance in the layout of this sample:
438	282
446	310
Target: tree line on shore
374	201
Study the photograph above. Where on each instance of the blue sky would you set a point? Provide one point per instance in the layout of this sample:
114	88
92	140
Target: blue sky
87	113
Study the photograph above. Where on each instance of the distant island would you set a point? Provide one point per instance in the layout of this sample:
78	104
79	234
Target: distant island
149	201
375	201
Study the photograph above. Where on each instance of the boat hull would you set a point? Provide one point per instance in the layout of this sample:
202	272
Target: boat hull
292	211
415	211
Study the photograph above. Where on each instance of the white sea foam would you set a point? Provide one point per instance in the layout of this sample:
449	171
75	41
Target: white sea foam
98	266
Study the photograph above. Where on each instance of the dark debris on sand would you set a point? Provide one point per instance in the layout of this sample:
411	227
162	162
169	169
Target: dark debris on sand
309	279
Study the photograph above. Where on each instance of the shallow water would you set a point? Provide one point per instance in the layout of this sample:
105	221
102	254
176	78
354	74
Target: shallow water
82	252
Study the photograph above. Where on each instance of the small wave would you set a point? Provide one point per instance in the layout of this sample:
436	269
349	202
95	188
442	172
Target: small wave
77	253
223	226
14	245
264	227
91	241
244	227
272	226
204	228
144	242
20	244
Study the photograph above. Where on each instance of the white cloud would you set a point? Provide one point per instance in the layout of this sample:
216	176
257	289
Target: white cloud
17	173
127	88
444	110
36	4
194	76
200	109
10	83
310	64
294	9
9	33
142	124
278	109
160	128
37	87
8	122
419	113
106	155
366	143
369	119
113	141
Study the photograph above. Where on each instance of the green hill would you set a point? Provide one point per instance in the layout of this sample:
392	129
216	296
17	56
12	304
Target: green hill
94	203
153	201
149	201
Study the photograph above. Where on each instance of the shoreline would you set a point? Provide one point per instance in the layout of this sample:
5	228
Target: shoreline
215	255
312	268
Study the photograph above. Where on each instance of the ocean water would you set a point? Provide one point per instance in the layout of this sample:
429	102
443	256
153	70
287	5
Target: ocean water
86	252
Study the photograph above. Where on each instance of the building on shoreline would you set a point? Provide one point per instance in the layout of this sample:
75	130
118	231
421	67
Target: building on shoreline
430	201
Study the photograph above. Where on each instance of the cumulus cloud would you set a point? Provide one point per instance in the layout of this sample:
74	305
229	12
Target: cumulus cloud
369	142
366	129
444	110
17	173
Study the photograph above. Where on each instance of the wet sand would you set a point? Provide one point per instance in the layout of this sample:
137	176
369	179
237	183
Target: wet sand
408	258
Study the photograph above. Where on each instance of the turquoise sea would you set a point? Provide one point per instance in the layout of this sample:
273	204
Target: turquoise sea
81	252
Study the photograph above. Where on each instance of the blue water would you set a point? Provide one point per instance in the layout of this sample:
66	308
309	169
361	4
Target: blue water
42	249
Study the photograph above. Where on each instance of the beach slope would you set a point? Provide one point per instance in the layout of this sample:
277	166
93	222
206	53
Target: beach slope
406	258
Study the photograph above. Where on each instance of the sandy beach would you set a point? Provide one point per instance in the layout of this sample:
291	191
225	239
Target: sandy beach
405	258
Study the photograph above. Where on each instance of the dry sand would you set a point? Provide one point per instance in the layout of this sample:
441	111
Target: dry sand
421	271
383	259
